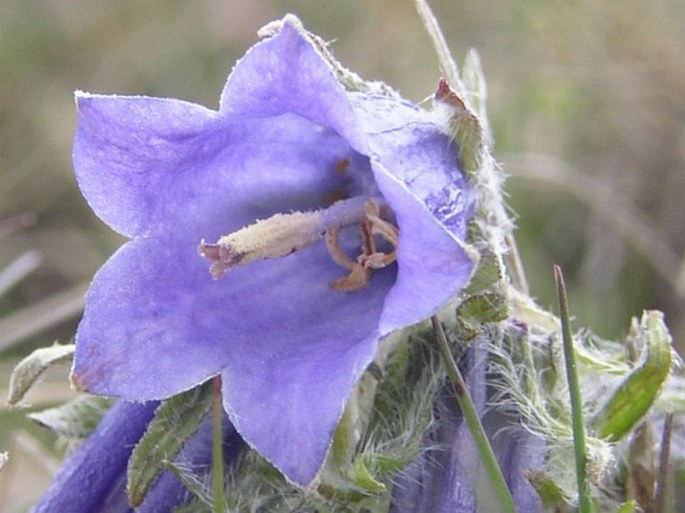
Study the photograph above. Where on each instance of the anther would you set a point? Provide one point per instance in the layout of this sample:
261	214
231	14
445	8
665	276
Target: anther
369	259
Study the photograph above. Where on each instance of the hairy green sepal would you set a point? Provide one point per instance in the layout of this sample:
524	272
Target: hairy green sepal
27	371
176	420
634	396
76	418
392	406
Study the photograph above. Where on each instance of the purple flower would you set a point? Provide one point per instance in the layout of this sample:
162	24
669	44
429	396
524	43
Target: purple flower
93	479
290	334
448	476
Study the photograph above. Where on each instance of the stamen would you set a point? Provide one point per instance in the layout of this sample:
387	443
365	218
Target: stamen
360	271
333	245
368	244
283	234
358	279
377	260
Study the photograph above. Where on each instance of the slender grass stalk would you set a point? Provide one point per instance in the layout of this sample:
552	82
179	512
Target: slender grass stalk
16	223
515	265
447	62
470	86
18	270
33	319
218	448
499	485
584	502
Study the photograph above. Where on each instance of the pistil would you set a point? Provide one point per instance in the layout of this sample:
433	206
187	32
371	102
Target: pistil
283	234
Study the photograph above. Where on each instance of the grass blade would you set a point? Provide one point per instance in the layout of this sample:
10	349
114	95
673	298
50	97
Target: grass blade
584	502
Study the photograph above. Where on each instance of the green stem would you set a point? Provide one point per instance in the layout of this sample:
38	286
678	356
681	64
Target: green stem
218	448
584	503
468	410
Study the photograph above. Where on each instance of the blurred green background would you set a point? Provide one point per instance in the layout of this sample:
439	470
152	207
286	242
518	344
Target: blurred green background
587	103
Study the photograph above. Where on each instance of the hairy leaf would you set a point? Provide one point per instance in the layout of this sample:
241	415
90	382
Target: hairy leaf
176	420
636	393
75	419
30	369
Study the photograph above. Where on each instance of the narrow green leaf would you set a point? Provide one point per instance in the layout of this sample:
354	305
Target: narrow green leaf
468	410
193	507
75	419
217	447
468	133
663	501
464	127
640	466
636	393
486	299
176	420
476	89
579	444
351	426
30	368
390	463
447	62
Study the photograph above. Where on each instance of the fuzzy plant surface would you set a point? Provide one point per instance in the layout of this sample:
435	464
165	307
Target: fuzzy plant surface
292	246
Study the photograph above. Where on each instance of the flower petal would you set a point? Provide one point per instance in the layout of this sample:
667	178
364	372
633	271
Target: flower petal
142	169
140	334
155	326
416	169
410	146
287	407
285	74
289	346
126	151
432	263
156	323
524	451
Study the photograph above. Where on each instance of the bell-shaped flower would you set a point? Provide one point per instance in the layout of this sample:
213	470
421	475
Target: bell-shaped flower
448	475
325	219
93	479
